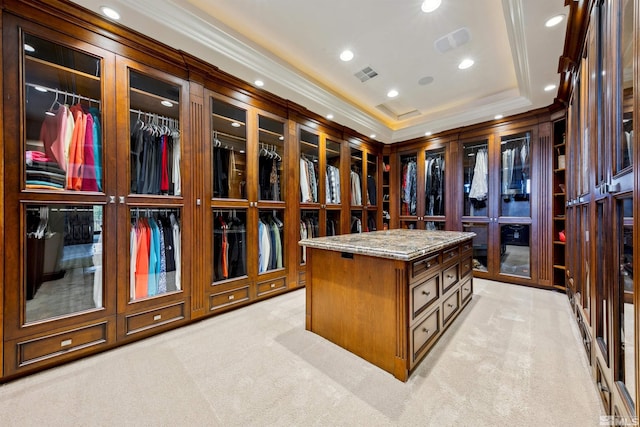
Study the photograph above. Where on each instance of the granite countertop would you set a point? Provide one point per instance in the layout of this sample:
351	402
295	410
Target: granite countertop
400	244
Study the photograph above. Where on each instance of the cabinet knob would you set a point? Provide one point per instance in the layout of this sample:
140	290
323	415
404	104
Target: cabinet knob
121	199
466	289
428	264
449	305
450	276
427	293
112	199
198	202
425	330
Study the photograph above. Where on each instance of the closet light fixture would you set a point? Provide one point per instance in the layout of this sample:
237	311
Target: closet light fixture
466	63
29	48
259	83
549	88
553	21
346	55
109	12
392	93
429	6
235	124
166	103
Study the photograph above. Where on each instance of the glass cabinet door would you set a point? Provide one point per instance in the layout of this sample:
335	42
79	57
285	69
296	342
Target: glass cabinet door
55	178
371	220
355	177
63	117
271	232
270	162
309	167
515	205
434	189
229	143
332	173
475	160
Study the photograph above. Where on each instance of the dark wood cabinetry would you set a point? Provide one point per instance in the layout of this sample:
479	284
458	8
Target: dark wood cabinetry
601	188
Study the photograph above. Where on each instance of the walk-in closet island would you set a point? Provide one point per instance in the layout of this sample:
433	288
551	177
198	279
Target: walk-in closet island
387	295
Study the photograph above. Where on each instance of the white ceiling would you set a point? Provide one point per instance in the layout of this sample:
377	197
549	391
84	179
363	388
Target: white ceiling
294	47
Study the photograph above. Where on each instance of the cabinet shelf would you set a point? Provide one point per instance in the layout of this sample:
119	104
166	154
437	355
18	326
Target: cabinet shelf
559	267
558	242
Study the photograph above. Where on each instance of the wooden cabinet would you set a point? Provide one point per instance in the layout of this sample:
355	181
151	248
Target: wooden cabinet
602	202
559	203
246	203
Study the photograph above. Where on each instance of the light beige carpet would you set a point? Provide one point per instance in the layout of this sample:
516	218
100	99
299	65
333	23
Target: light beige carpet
513	358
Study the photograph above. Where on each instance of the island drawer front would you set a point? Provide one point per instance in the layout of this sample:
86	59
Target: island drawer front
450	306
450	277
466	247
425	266
466	265
225	299
450	254
466	290
423	295
423	333
270	286
154	318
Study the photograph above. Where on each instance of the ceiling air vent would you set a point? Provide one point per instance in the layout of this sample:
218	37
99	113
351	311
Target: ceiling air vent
366	74
452	40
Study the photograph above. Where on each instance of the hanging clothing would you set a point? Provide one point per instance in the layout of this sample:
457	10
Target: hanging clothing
356	189
372	193
434	185
305	187
479	182
409	196
333	185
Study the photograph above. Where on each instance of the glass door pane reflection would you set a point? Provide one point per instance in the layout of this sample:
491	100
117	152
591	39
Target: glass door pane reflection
63	261
627	326
515	251
480	245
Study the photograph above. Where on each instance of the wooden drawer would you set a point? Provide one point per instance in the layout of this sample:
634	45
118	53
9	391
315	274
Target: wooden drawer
270	286
450	277
466	247
425	266
423	295
422	334
63	343
150	319
466	290
450	306
450	254
466	265
225	299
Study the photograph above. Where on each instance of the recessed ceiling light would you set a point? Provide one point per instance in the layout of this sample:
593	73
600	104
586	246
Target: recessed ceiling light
40	89
466	63
392	93
498	116
259	83
430	5
373	135
549	88
167	103
235	124
329	116
346	55
110	13
29	48
428	133
553	21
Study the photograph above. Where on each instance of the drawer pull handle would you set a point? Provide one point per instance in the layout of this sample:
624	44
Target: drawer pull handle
157	317
273	285
603	387
450	276
427	293
65	343
427	264
231	297
466	266
450	305
425	330
466	289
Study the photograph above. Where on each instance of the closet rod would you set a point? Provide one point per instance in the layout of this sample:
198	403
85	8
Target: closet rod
154	115
522	138
228	135
62	92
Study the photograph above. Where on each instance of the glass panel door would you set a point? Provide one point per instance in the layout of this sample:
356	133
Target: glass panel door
229	142
270	162
434	192
626	341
